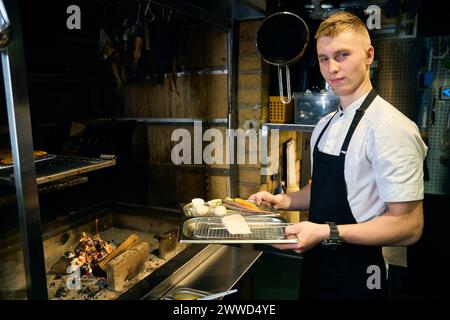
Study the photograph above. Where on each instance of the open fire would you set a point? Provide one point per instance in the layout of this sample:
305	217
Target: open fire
88	254
100	269
96	259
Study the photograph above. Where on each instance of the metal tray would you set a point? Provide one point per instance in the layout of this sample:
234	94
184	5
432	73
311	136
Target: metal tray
195	294
187	212
36	159
268	230
55	167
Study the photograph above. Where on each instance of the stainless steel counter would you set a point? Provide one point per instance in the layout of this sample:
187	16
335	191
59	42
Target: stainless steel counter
215	269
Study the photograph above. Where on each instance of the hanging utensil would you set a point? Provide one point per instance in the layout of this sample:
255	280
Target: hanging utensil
148	9
281	40
5	27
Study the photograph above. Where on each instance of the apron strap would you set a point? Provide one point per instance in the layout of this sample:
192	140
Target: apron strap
323	130
358	116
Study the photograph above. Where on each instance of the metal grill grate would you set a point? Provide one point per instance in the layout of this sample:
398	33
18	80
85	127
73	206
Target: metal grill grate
37	159
260	231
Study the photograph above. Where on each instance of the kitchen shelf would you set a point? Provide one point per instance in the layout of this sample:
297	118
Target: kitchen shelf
59	167
289	126
8	195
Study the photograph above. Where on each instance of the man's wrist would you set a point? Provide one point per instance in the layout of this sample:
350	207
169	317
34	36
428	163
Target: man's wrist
283	201
333	240
325	234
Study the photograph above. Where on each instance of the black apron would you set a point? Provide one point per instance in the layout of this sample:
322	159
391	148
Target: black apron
339	273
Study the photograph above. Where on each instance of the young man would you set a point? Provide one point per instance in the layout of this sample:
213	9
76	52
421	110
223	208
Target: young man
367	178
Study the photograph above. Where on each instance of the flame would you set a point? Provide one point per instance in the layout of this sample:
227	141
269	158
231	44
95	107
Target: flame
90	251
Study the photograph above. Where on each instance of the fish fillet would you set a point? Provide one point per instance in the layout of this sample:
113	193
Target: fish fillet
236	224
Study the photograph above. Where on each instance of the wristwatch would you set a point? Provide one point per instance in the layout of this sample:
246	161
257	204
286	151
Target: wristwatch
334	240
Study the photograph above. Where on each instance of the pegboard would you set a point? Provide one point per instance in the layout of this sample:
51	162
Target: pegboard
396	75
396	80
439	174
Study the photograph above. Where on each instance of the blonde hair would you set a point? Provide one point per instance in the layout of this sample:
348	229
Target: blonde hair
341	22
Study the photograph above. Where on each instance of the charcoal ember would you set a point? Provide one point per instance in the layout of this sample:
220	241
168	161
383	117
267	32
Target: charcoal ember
86	290
60	292
85	270
101	283
69	254
52	284
87	277
57	276
89	252
92	293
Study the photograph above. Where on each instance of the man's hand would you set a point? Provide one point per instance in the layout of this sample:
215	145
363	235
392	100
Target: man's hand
277	201
308	234
298	200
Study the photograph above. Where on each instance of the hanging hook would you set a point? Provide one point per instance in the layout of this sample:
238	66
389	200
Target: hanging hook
5	27
139	13
148	9
169	15
3	13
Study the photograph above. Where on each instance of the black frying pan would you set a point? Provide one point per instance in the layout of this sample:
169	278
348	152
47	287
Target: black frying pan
281	40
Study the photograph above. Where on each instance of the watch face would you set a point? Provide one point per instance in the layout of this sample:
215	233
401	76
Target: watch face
334	239
332	244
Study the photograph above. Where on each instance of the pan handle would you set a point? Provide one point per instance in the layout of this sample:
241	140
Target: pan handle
288	84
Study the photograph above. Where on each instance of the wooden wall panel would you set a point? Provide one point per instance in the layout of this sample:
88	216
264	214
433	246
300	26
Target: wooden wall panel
217	100
171	185
219	187
187	95
194	96
206	50
159	143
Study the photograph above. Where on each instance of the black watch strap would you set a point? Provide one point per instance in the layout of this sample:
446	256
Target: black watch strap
334	240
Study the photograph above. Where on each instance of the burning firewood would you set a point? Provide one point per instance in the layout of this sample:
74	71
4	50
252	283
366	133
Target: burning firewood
86	256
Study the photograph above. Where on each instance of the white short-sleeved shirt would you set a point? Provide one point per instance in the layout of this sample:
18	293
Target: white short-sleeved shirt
384	160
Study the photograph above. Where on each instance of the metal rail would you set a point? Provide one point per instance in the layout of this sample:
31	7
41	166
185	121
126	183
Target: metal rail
14	76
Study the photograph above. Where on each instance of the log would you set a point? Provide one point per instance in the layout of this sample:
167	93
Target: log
127	266
131	240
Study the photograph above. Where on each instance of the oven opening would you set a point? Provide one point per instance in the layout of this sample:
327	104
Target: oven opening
99	257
